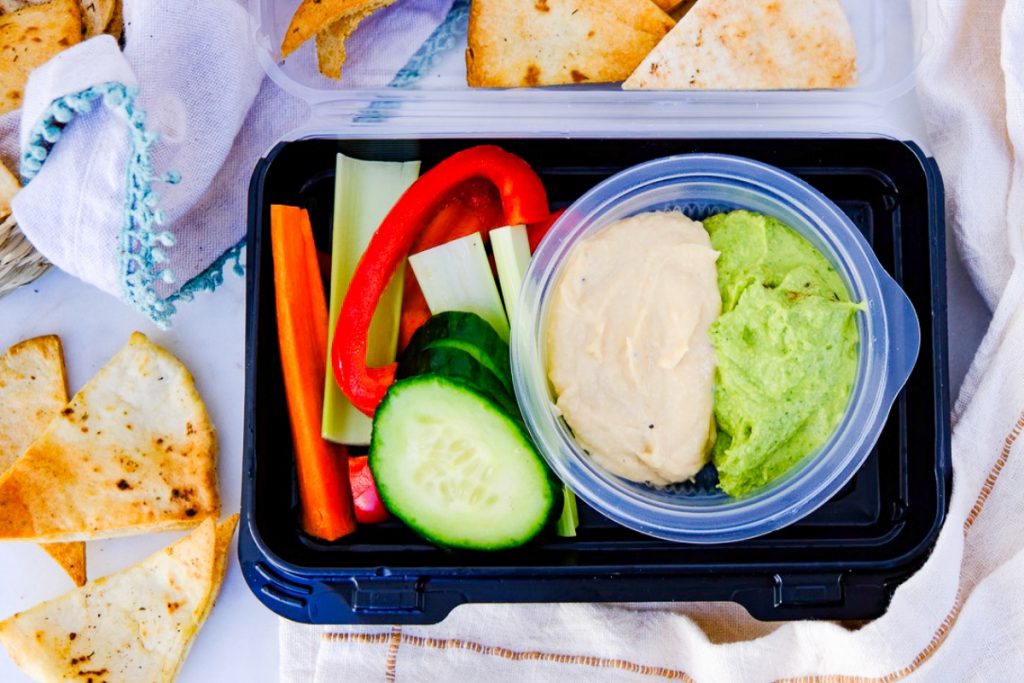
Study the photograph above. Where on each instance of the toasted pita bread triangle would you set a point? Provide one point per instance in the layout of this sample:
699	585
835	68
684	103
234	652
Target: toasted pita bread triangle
97	15
133	452
115	26
9	187
33	389
135	625
313	16
755	45
71	558
330	42
553	42
29	37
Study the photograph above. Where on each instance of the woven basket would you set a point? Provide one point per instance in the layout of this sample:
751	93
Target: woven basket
20	263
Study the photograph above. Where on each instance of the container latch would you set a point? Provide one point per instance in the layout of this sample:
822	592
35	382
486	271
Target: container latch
808	589
387	595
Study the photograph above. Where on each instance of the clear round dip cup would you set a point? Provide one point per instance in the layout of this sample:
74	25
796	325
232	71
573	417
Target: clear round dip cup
701	185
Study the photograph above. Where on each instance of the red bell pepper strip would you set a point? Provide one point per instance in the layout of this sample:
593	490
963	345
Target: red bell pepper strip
369	507
523	200
302	337
535	231
473	206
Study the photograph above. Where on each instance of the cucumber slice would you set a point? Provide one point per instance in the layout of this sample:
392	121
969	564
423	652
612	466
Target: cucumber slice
467	332
457	364
504	375
456	468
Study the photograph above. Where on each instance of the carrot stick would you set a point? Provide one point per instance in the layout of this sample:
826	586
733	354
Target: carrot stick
324	488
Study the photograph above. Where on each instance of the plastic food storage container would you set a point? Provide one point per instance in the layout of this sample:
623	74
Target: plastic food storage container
701	185
890	35
843	561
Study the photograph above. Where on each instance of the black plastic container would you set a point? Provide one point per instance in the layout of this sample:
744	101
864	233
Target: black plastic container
842	562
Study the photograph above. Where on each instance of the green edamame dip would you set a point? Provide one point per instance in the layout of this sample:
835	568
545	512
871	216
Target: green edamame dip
786	344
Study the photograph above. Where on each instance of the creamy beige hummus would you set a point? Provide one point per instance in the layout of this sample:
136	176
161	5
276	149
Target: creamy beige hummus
629	352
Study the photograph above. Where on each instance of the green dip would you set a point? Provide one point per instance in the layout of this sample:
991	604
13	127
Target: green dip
786	345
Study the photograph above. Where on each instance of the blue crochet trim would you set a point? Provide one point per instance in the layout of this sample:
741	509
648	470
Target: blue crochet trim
141	244
446	36
213	277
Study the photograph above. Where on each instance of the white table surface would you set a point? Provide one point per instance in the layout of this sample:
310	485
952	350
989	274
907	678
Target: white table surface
239	641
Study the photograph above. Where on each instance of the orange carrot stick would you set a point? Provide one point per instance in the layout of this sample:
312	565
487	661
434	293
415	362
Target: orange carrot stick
302	334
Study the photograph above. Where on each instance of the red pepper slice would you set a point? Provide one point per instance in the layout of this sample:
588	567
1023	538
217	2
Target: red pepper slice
523	200
368	505
535	231
473	206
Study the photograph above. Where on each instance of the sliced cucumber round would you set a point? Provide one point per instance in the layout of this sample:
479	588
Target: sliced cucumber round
458	364
486	359
456	468
467	332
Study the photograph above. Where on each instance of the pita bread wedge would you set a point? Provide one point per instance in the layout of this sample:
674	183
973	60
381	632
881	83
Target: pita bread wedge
115	26
755	45
8	6
313	16
70	557
33	389
9	187
553	42
29	37
667	5
96	16
135	625
330	42
133	452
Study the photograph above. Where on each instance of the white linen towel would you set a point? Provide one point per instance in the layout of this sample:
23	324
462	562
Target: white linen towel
961	617
103	132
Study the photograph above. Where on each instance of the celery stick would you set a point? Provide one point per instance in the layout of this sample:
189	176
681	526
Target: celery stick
511	247
569	519
456	276
364	192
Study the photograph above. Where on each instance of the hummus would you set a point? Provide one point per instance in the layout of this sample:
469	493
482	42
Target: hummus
787	346
629	349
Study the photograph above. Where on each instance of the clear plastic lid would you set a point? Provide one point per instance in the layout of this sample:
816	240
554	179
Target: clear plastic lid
891	37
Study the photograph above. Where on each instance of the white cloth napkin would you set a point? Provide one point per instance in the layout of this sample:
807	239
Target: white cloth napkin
961	617
100	205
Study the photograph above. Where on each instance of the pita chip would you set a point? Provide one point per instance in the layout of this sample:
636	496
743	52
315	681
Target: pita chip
667	5
135	625
133	452
554	42
8	6
753	45
313	16
9	187
97	15
29	37
330	42
115	26
33	389
70	557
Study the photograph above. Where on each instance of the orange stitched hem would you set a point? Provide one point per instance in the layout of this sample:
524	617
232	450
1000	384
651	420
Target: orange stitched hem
514	655
391	662
396	637
954	612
